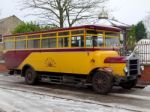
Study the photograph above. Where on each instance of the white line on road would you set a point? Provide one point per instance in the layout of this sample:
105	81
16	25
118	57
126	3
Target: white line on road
131	96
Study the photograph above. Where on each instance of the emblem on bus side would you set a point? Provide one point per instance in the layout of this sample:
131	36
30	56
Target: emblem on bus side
50	62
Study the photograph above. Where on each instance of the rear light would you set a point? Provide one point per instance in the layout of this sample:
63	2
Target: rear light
115	60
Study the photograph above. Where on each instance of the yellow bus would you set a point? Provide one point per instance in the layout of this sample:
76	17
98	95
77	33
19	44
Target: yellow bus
87	55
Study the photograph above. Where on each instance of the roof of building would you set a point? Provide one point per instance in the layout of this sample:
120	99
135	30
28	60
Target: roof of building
4	19
111	22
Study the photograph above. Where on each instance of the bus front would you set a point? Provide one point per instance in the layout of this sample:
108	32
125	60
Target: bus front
107	44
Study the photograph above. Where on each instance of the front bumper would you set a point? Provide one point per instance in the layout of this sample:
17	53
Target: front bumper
132	70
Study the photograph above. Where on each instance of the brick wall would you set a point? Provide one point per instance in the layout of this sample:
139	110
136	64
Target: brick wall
145	79
3	68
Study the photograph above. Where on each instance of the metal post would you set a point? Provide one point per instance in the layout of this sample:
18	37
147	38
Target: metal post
124	42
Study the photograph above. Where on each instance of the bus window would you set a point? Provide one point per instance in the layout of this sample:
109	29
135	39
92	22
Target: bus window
46	43
63	42
33	36
21	44
100	41
49	40
94	41
1	38
63	33
52	42
112	42
77	32
33	43
94	38
49	43
112	39
89	41
9	45
91	32
46	35
77	41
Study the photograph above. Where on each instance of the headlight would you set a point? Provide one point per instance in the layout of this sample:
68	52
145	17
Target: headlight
142	68
125	70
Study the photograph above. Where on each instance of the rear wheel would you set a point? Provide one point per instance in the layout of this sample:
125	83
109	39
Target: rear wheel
129	84
102	82
31	77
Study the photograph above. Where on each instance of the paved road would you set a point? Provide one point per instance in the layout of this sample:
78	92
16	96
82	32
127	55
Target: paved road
14	89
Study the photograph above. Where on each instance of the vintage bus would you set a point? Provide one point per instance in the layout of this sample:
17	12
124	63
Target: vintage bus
86	55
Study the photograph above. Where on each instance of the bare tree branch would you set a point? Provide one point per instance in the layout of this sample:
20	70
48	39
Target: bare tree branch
65	12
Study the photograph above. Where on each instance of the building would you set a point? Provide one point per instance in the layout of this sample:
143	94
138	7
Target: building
7	25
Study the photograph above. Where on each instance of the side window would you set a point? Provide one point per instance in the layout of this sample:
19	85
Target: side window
98	41
1	38
52	42
20	42
46	43
63	42
89	41
49	40
34	41
9	43
94	38
112	39
77	41
94	41
49	43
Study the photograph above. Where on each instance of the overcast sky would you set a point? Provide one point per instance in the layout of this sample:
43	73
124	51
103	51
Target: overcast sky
127	11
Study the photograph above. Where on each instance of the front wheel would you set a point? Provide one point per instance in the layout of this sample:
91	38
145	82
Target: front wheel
31	76
102	82
129	84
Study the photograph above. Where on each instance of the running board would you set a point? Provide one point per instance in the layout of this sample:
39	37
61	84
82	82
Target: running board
64	79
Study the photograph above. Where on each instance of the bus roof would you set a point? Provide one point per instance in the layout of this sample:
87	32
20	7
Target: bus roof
99	27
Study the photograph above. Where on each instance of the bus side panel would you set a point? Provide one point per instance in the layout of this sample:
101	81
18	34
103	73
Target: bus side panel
70	62
14	58
64	62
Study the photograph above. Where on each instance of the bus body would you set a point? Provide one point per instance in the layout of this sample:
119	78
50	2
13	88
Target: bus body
87	54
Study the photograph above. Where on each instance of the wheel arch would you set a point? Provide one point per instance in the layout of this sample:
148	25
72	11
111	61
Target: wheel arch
25	67
92	73
102	69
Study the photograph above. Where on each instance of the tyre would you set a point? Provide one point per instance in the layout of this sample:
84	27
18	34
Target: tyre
31	77
102	82
129	84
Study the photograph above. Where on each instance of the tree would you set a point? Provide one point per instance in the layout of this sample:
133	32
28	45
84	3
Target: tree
140	31
147	25
31	27
64	12
26	27
136	33
131	40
